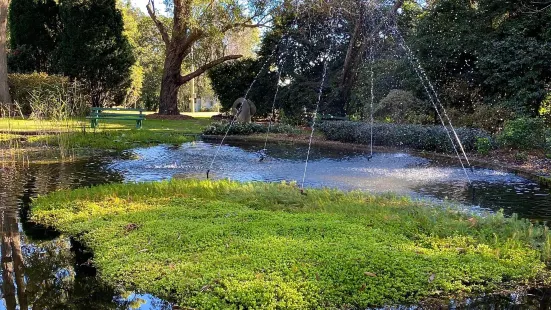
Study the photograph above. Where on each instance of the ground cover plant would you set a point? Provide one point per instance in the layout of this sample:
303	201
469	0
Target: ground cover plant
223	244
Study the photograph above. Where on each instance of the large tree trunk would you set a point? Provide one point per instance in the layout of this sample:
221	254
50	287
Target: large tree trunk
178	47
5	98
170	83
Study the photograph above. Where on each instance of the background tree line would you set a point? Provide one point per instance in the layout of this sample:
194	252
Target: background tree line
114	49
489	60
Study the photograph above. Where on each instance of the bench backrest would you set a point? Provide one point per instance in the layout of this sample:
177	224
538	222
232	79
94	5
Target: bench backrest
99	110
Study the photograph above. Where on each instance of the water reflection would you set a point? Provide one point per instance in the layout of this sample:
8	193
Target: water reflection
13	267
41	270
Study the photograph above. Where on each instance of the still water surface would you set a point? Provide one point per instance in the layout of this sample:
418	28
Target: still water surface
40	270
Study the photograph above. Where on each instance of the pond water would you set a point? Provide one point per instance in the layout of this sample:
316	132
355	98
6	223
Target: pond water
44	271
400	173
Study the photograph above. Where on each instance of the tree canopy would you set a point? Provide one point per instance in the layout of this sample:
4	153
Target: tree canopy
488	53
92	45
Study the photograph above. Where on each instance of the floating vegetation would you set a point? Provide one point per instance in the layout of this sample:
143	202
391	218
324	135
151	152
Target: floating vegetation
224	244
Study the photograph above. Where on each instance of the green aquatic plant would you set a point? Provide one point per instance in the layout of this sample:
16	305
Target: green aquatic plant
223	244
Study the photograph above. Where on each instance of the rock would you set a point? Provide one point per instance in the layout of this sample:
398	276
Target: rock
243	109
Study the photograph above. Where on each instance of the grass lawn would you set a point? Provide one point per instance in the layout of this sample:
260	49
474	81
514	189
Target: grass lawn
223	244
111	134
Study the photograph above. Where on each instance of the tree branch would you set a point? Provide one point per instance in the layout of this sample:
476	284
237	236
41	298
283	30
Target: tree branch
162	29
186	78
398	4
246	24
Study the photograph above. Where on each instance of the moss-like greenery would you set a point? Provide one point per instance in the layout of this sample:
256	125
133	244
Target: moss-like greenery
230	245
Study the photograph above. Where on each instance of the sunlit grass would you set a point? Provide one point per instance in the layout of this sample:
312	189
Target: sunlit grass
230	245
111	134
18	124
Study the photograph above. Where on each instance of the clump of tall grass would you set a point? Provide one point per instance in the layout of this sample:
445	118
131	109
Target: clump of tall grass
56	104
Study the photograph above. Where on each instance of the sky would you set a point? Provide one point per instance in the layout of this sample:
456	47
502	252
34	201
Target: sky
159	5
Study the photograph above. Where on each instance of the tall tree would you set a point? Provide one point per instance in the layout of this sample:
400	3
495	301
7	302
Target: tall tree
34	26
496	47
92	46
361	37
5	98
193	21
150	52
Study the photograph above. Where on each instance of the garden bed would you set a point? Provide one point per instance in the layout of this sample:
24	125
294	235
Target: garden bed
224	244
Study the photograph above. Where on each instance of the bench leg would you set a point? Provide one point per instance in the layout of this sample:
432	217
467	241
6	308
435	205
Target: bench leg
138	124
93	123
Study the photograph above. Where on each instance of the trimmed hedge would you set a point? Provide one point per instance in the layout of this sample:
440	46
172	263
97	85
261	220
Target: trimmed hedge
220	128
428	138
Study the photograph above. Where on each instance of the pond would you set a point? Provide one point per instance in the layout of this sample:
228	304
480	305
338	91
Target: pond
45	271
400	173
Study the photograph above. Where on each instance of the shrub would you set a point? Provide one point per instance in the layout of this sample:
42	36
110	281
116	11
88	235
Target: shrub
42	95
483	146
521	156
400	106
429	138
220	128
487	117
524	133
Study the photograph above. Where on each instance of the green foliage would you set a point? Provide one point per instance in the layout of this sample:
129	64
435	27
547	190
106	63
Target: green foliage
150	51
118	140
92	46
401	107
496	51
43	96
428	138
488	117
232	80
524	134
131	17
224	244
516	70
483	146
34	26
220	128
521	156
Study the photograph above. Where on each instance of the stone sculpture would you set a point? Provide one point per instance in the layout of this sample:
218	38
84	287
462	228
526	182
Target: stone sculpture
243	109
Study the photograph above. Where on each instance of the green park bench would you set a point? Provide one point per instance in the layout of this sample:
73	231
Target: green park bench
115	113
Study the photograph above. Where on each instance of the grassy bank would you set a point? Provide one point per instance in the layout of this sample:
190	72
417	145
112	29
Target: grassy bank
111	134
228	245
